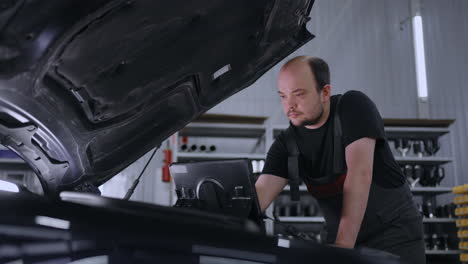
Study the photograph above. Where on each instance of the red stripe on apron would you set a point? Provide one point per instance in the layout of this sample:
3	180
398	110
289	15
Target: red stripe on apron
327	190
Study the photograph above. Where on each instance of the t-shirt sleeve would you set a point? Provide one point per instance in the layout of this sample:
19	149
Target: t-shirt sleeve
359	118
277	158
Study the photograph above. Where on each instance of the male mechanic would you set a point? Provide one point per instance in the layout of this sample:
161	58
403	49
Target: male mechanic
337	146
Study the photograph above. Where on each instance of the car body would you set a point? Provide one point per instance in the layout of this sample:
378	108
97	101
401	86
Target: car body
88	87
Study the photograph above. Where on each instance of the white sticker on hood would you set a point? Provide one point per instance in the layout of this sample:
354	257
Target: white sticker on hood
283	243
221	71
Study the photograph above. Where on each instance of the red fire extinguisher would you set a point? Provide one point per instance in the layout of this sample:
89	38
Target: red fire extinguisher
166	175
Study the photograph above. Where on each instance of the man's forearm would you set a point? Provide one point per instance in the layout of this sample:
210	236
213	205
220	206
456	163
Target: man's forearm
268	187
355	196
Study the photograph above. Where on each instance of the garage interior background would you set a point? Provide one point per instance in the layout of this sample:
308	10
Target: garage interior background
369	47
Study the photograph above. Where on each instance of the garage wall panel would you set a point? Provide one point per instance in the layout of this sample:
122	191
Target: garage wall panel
369	48
446	42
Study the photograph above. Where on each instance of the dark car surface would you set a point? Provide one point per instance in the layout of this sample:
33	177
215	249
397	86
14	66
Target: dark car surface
89	86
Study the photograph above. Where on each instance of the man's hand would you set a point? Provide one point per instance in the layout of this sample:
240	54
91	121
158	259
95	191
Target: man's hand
344	246
360	161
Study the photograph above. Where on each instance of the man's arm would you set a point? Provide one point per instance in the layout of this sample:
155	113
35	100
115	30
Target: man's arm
268	187
359	160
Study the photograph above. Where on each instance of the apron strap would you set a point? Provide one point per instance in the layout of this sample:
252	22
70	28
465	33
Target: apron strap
293	164
294	161
338	155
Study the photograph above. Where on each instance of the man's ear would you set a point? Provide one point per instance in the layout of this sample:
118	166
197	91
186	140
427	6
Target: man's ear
326	93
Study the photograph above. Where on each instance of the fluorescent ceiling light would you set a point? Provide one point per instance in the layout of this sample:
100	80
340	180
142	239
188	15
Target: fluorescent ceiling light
52	222
418	43
8	186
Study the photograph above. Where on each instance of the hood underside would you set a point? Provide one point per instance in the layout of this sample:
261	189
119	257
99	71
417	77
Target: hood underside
89	86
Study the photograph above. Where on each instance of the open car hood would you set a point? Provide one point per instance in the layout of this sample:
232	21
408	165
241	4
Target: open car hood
89	86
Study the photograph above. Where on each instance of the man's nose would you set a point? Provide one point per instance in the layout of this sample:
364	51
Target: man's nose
290	102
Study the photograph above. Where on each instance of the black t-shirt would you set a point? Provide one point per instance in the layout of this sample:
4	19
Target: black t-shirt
359	118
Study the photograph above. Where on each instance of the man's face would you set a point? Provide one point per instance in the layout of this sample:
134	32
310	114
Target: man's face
301	101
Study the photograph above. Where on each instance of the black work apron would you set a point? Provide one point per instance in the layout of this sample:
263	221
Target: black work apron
386	207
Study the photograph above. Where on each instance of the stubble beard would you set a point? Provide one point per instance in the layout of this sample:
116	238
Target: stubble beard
314	121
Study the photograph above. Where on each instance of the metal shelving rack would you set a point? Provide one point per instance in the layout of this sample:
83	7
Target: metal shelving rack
435	190
424	160
443	252
218	130
210	156
421	132
303	219
439	220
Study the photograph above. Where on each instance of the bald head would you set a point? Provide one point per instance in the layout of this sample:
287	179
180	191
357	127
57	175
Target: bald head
309	65
299	61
